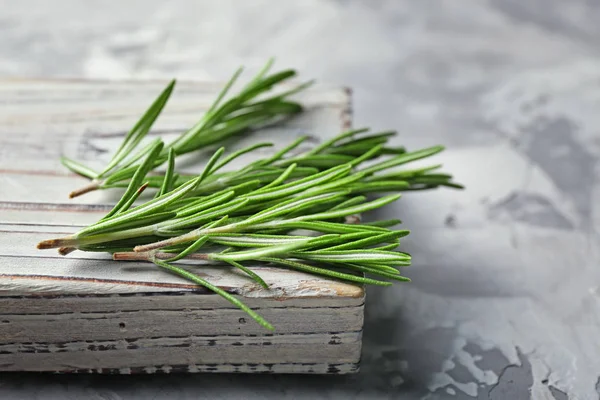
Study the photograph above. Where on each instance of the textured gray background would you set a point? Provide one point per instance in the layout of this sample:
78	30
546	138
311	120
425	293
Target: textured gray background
505	299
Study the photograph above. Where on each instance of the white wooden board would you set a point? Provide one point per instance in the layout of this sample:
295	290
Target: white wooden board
87	313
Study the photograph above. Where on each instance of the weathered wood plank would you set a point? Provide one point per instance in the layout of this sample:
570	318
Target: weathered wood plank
159	323
85	272
86	313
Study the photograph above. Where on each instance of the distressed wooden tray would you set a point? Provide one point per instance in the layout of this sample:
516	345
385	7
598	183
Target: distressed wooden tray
86	313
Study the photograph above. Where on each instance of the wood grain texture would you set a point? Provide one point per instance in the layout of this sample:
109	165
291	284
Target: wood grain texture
87	313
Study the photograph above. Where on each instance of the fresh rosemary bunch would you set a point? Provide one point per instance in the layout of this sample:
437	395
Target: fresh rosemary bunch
253	214
246	110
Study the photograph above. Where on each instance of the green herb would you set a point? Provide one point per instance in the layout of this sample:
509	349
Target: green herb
252	214
246	110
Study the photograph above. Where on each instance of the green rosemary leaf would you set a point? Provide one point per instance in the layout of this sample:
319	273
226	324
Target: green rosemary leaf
358	146
363	243
181	204
320	161
248	271
385	135
434	180
276	106
224	91
115	180
235	103
254	240
387	247
334	140
291	206
378	271
369	154
239	153
452	185
218	133
266	83
357	149
168	180
372	268
261	74
211	163
379	186
354	256
131	160
319	226
140	221
280	179
270	175
295	90
202	282
383	223
163	201
403	159
133	198
349	203
78	168
204	216
277	156
393	150
322	241
205	203
437	177
217	183
256	254
190	249
246	187
137	179
322	271
301	184
335	184
198	243
140	129
357	209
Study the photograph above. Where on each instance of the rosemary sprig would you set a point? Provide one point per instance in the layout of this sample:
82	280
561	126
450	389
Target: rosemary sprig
181	214
252	214
283	166
246	110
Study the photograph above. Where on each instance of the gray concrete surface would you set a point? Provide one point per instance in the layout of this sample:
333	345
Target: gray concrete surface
505	298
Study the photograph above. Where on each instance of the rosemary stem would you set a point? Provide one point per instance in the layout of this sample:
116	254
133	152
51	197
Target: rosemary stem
90	187
185	238
132	256
74	241
63	251
67	241
148	255
188	237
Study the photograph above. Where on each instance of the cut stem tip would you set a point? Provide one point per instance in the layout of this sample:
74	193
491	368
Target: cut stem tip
63	251
85	189
57	243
